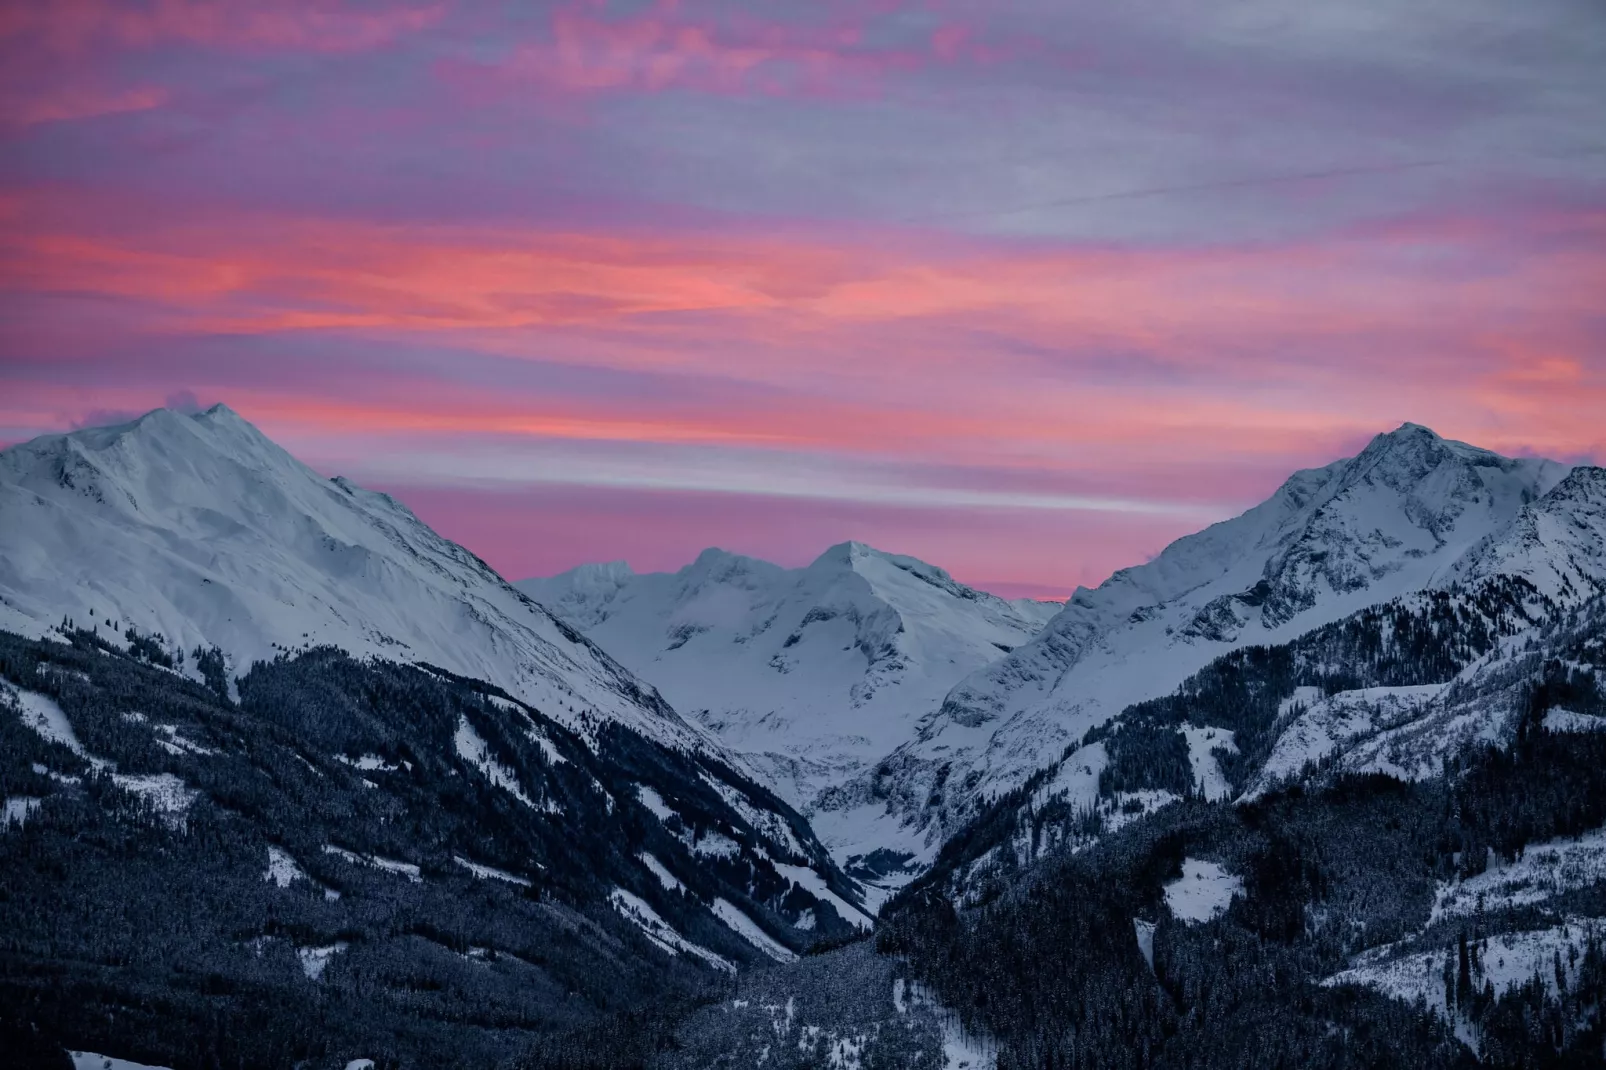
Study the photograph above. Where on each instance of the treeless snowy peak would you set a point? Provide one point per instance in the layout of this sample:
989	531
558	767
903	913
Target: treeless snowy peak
811	673
1395	519
198	530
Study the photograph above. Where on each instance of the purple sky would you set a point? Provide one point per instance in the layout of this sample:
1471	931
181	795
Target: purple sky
1024	288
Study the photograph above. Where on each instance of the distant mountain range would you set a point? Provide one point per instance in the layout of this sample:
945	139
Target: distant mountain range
811	674
329	731
1412	512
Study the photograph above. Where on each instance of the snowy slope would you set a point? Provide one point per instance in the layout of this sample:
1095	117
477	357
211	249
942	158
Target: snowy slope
1557	543
1506	960
1408	732
812	673
201	531
1411	511
1332	725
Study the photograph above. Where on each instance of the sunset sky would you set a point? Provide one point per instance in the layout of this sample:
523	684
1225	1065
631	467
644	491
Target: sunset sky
1024	288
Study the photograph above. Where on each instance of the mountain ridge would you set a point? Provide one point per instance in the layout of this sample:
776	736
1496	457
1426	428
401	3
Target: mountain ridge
194	543
222	538
1394	518
811	672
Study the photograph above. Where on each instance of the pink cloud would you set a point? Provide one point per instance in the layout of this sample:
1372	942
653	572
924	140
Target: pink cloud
670	46
66	103
1173	375
71	26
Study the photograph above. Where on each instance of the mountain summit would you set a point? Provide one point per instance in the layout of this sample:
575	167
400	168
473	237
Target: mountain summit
1411	511
200	531
811	673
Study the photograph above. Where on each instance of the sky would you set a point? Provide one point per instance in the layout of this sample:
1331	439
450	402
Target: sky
1023	288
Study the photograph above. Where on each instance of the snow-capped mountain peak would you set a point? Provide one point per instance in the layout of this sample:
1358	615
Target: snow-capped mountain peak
200	531
1557	542
810	672
1411	511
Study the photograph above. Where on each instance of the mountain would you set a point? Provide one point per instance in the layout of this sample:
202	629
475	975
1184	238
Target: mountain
202	638
1415	876
1336	794
1557	543
199	530
1411	512
359	859
810	673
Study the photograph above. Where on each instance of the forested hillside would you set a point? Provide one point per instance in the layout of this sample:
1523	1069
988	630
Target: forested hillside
1346	919
362	860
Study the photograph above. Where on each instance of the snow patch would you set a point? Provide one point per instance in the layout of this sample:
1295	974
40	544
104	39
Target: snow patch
815	885
767	823
44	716
164	791
1544	870
749	930
1144	930
489	872
1568	721
368	763
1076	778
474	750
654	802
18	808
712	844
1506	960
665	878
660	932
407	869
1206	769
961	1050
1336	724
314	960
282	869
88	1060
1204	891
177	743
547	748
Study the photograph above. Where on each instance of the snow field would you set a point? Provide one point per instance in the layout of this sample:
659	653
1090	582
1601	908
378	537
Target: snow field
1203	892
